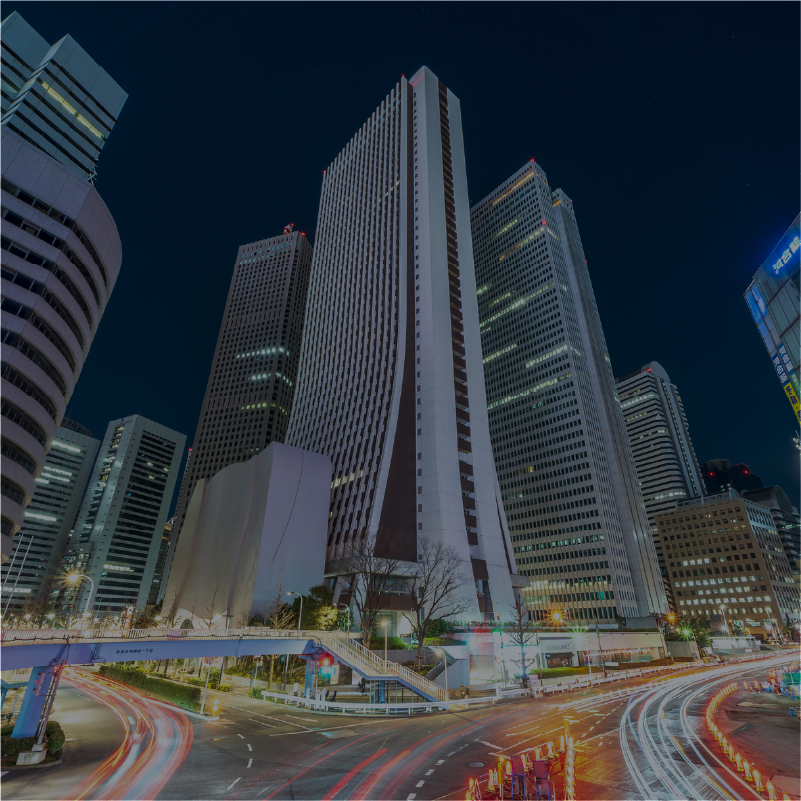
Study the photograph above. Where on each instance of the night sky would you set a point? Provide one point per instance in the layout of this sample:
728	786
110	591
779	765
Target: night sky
674	128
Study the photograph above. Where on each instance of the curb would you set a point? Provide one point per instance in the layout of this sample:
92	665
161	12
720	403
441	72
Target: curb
34	767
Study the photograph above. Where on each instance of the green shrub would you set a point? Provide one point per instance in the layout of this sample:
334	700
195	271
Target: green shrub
183	695
555	673
441	641
225	688
393	644
11	746
255	692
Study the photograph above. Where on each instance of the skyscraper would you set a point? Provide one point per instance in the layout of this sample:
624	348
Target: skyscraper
567	473
251	386
391	384
774	298
121	522
56	97
61	252
724	550
49	518
667	468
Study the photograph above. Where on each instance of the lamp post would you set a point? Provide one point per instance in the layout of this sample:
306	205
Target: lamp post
347	609
445	665
73	579
386	634
300	616
725	622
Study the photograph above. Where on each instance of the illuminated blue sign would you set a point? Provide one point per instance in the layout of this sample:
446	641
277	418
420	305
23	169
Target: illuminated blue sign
786	255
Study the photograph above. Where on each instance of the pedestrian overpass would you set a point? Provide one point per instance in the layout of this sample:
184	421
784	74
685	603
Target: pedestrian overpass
46	651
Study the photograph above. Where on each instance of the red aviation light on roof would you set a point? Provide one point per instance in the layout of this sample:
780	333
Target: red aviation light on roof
745	471
647	369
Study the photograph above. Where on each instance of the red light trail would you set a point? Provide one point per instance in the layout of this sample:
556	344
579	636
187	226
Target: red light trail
156	741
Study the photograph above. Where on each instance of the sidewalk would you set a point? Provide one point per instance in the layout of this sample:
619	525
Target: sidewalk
759	726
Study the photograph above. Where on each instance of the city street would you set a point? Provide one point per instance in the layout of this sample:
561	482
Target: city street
123	746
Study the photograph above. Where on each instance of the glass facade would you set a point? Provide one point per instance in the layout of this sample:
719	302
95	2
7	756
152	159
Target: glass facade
773	299
565	467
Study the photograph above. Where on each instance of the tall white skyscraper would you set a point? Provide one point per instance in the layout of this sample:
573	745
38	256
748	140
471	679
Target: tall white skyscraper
49	518
121	522
667	468
567	473
391	384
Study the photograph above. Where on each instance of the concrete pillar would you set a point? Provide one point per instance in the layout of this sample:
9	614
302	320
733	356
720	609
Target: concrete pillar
33	701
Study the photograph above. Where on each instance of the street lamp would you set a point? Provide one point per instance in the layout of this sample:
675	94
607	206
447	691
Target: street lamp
445	665
72	578
347	609
286	656
386	632
292	592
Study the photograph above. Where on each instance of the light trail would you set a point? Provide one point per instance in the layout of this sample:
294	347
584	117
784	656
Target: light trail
156	740
659	760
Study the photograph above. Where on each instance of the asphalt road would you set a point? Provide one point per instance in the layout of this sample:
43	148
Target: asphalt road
265	751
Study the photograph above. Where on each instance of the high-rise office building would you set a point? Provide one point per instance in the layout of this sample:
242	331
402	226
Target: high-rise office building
667	467
120	526
774	300
61	252
49	518
568	479
724	551
57	97
253	375
161	561
391	384
786	520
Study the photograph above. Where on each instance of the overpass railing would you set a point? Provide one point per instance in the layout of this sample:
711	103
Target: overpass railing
340	643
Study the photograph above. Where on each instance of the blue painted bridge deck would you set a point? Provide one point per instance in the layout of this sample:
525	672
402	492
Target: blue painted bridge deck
26	648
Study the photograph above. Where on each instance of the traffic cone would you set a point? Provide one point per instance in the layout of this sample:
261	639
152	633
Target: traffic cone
758	782
739	762
538	752
747	771
771	790
492	781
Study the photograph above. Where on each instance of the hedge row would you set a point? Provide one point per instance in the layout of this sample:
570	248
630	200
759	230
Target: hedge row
181	694
12	746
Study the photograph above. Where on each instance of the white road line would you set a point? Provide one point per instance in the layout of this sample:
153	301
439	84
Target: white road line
269	717
250	762
492	745
440	761
248	745
269	725
231	785
429	772
420	783
240	735
411	796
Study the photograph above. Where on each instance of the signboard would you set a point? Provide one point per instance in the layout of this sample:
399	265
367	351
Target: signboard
785	256
784	369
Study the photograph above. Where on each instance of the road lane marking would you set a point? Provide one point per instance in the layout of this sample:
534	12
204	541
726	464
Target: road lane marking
420	783
440	761
239	735
409	797
332	728
250	762
492	745
429	772
231	785
269	717
248	745
269	725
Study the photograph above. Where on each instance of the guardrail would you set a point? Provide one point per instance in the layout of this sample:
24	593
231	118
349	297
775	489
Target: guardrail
385	709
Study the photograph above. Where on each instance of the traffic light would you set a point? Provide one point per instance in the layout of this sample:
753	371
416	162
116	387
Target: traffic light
38	684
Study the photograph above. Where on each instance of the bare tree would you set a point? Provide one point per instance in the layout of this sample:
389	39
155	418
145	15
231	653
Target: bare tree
435	585
209	611
372	572
278	614
522	633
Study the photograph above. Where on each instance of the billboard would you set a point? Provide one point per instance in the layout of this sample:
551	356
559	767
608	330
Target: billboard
784	370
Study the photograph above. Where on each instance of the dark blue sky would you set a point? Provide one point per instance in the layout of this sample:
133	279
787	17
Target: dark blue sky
674	128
